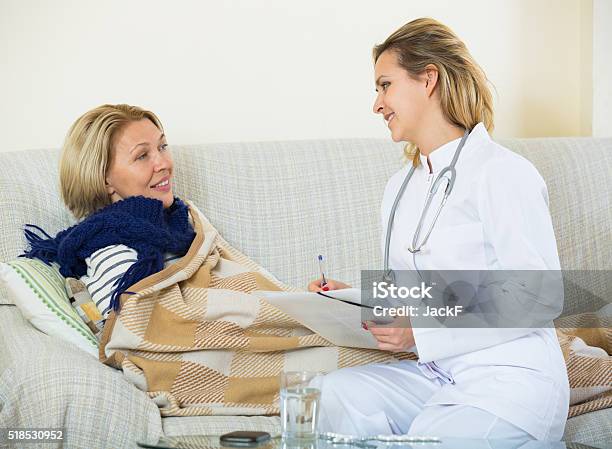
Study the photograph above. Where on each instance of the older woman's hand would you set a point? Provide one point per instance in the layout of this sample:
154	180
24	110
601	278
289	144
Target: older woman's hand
396	336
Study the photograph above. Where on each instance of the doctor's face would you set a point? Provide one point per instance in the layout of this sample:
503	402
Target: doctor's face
400	99
141	164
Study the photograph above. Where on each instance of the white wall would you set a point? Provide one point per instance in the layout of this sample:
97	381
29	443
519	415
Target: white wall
602	68
271	69
586	67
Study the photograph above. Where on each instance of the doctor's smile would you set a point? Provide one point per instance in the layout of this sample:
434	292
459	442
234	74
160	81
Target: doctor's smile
388	118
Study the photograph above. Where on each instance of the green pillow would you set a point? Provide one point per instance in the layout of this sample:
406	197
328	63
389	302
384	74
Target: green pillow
39	291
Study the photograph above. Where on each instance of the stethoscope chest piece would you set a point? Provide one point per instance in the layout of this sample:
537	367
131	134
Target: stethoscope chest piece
388	276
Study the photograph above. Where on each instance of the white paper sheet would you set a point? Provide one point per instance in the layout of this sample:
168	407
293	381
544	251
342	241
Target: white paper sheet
338	322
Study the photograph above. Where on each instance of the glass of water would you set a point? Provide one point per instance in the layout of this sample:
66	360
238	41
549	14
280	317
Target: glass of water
299	405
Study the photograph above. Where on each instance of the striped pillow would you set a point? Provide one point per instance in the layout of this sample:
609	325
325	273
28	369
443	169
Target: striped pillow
40	293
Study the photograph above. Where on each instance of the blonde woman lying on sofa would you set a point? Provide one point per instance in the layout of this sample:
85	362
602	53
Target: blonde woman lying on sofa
184	320
470	383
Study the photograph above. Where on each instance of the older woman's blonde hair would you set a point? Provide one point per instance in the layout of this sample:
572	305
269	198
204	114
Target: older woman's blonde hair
465	97
87	155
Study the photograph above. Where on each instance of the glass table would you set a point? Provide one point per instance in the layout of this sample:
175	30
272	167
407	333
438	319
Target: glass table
212	442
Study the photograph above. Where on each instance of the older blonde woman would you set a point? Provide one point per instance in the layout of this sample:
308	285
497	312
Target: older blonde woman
471	383
116	175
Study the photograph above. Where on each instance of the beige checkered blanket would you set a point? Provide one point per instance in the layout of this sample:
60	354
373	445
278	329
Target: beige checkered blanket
587	349
199	339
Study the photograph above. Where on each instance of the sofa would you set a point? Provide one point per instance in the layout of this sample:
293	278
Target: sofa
281	203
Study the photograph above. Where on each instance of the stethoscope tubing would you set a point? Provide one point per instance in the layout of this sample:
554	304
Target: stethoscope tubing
415	248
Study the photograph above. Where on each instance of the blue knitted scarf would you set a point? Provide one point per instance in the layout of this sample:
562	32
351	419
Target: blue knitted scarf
137	222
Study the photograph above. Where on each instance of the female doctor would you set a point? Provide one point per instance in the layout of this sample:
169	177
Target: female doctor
467	383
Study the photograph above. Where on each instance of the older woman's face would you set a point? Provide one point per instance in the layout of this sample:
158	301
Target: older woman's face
141	164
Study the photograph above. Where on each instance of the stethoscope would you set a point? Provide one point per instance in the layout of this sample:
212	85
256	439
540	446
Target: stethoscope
449	174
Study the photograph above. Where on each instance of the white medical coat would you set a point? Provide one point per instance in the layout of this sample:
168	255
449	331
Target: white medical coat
496	218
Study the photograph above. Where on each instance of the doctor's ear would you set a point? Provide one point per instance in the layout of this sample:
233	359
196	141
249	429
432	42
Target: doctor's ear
431	78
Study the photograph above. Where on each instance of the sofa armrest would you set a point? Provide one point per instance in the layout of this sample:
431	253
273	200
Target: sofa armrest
46	382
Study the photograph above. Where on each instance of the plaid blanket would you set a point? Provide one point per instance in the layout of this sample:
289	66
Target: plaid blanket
586	342
199	339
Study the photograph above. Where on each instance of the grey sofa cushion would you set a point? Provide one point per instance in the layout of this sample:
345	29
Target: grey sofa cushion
46	382
29	184
593	428
218	425
283	203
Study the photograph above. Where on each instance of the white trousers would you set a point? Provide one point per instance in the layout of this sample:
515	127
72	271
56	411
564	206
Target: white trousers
390	399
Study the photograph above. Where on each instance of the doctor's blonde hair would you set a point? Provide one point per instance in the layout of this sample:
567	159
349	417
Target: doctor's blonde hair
465	98
87	154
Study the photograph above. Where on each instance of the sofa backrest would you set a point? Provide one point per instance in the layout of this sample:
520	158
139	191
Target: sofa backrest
283	203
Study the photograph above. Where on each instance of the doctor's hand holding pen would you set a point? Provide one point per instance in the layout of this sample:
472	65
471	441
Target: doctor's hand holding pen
320	285
323	284
396	336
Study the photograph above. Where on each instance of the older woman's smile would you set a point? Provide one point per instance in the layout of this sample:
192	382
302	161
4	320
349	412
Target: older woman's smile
163	185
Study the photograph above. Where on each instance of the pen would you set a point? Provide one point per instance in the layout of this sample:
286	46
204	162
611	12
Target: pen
322	268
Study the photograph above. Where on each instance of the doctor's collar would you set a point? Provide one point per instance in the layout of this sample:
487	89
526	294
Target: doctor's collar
442	156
